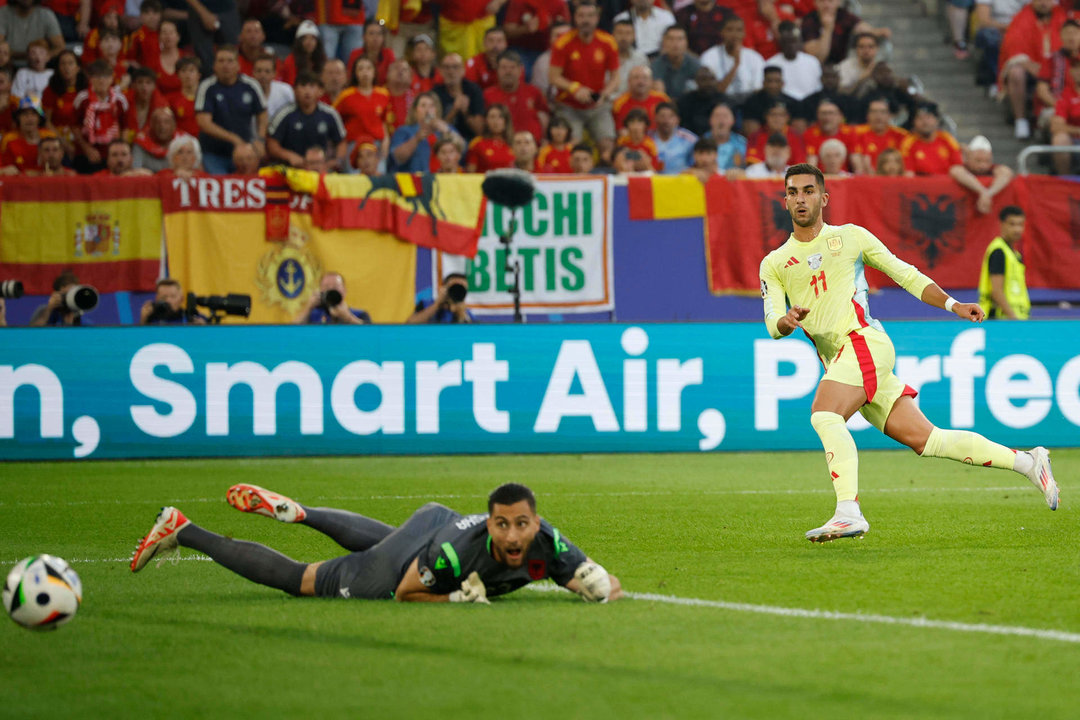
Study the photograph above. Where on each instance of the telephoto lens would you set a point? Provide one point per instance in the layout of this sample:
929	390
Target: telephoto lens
457	292
80	298
331	298
11	289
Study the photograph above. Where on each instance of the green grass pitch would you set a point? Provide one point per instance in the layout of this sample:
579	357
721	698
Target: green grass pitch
948	543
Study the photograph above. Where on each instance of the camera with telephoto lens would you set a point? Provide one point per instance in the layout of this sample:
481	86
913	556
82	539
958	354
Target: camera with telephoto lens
219	305
163	312
330	299
79	299
457	292
11	289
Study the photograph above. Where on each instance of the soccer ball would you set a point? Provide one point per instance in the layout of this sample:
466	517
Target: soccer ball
42	592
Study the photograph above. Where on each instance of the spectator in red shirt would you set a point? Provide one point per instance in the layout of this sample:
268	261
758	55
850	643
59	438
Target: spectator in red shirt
524	151
1065	125
830	124
182	101
640	94
144	45
635	137
480	68
152	142
102	110
528	109
118	161
398	81
169	54
420	52
109	20
1034	35
58	100
250	45
777	122
19	148
51	159
1054	74
143	99
828	30
979	163
876	136
585	72
528	24
111	47
307	55
554	156
375	49
930	151
363	106
703	20
462	24
492	150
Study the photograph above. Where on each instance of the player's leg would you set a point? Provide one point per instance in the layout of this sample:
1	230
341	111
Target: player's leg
908	425
253	561
351	531
834	403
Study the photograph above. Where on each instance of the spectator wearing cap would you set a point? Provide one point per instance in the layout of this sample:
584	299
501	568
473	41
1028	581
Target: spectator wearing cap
362	107
412	144
857	69
739	70
19	148
674	67
374	49
703	20
584	73
143	98
151	146
529	110
448	155
307	123
776	159
978	164
307	54
50	159
639	94
182	102
119	162
674	144
1065	125
184	158
777	122
830	124
480	68
420	52
462	100
649	23
210	23
929	150
34	78
277	93
144	45
24	21
1034	35
492	150
1054	74
366	158
230	109
341	25
703	160
462	24
251	45
875	137
528	25
827	31
101	110
771	92
629	56
802	71
730	145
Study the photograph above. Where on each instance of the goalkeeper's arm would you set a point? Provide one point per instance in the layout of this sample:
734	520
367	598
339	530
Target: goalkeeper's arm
595	584
412	589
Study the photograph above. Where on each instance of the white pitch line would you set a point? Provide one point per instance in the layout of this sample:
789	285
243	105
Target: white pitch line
1015	630
625	493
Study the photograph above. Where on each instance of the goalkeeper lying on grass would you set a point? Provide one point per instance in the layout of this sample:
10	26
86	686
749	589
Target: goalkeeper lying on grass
437	555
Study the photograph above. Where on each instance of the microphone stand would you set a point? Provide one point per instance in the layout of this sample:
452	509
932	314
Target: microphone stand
513	266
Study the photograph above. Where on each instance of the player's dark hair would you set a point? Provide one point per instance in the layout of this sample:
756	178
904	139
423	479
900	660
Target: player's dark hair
509	494
806	169
1010	211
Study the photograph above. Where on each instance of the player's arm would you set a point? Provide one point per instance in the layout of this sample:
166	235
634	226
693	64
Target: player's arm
779	319
594	584
411	588
934	295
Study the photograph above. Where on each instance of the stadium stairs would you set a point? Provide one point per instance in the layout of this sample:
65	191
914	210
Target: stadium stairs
919	50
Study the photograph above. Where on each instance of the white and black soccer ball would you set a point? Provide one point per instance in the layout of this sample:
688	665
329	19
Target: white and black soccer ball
42	592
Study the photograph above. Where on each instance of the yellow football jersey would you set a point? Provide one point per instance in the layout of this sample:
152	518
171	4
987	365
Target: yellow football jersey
827	275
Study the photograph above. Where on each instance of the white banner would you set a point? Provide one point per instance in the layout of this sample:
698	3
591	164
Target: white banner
562	244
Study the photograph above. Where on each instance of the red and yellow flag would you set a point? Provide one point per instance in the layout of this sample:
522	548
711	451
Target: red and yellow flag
665	197
108	231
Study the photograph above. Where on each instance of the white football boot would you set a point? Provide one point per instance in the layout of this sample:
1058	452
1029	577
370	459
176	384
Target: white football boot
1042	477
839	527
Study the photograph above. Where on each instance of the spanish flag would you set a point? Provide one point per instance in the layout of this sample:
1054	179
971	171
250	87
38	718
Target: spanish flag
444	212
665	197
107	231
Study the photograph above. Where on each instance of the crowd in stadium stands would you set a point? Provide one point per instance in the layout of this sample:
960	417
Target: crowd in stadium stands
739	87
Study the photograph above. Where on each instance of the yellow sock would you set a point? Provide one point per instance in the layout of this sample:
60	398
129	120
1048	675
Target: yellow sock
968	447
840	453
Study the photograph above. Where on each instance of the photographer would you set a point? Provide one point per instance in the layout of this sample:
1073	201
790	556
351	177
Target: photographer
328	306
449	306
167	307
56	312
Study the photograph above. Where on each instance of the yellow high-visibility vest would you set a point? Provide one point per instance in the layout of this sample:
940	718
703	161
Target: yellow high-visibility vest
1015	285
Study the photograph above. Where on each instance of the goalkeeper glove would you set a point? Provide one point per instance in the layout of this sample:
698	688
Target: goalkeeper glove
593	581
472	590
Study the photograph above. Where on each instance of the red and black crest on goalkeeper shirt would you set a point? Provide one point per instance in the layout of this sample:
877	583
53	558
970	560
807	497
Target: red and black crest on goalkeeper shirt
537	569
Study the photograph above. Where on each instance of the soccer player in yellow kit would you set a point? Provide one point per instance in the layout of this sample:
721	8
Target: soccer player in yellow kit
820	269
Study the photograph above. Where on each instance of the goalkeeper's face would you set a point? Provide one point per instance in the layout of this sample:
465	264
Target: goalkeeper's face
512	529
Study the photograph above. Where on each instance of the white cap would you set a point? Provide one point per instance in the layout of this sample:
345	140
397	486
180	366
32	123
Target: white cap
980	142
307	28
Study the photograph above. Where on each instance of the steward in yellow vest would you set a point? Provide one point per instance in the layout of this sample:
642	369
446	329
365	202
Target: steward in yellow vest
1003	290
